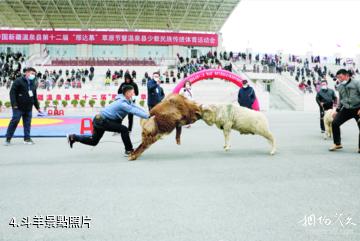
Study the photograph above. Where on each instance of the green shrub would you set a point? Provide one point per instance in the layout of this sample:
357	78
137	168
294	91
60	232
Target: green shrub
92	103
55	103
82	103
142	103
64	103
102	103
7	104
47	103
74	103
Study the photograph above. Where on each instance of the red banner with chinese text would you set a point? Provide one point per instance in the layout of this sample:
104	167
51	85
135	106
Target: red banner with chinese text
109	38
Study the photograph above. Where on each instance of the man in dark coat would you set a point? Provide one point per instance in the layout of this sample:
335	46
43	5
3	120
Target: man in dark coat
23	97
246	96
326	99
129	81
155	92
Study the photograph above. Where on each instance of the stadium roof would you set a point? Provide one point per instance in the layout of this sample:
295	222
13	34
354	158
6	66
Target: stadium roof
171	15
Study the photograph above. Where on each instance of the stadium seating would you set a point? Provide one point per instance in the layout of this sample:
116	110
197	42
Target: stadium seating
102	62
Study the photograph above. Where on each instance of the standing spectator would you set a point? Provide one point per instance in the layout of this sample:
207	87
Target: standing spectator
108	74
349	106
129	81
145	79
91	75
133	74
246	96
92	69
23	97
187	92
155	92
326	99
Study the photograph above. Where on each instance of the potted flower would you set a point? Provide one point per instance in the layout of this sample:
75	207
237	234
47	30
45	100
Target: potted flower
74	103
142	102
47	104
64	103
82	103
7	104
92	103
55	103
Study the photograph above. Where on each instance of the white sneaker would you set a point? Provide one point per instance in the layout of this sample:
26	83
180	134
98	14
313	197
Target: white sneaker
7	143
29	142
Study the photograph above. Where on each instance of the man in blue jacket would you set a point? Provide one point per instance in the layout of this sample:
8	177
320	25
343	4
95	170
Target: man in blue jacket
155	92
110	118
246	96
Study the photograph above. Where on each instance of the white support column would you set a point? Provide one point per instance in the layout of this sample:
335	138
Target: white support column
131	51
83	50
35	49
170	52
89	51
220	47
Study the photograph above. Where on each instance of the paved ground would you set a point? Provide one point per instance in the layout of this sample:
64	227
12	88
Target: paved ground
190	192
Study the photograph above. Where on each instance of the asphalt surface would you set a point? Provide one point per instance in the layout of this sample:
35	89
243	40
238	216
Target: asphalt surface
191	192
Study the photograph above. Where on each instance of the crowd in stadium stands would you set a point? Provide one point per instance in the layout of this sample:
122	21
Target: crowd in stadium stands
188	66
103	62
118	75
185	67
67	79
11	66
307	76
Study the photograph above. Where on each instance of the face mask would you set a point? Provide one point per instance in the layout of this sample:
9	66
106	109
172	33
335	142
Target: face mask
324	87
246	85
31	77
344	82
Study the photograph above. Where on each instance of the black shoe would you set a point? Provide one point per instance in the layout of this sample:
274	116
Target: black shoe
128	153
71	140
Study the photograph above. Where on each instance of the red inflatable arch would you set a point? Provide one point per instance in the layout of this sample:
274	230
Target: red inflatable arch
210	74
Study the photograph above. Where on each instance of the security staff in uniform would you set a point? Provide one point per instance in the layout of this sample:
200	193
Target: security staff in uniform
110	119
349	107
23	97
326	99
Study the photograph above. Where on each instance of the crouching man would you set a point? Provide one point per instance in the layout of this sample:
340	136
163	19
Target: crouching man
349	107
110	119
